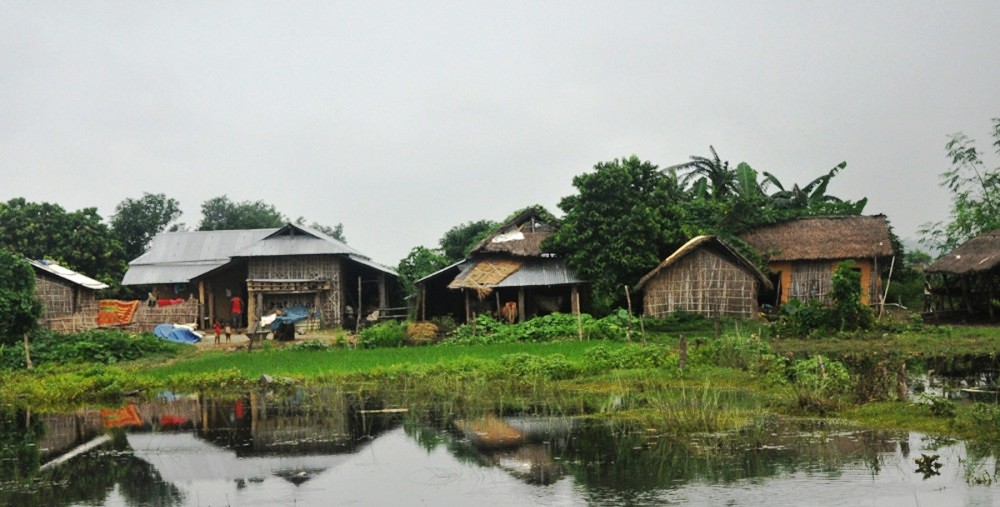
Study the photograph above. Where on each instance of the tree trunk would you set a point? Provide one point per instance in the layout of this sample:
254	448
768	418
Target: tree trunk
27	351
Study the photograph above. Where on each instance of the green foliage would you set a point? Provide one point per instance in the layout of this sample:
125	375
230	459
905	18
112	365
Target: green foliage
77	240
555	326
336	232
802	319
384	334
983	420
19	310
420	262
219	213
603	358
554	366
459	240
136	221
975	189
311	345
627	216
939	405
107	346
848	313
820	383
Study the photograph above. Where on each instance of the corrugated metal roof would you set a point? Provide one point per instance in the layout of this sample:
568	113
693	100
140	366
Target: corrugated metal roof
68	275
535	272
297	240
199	246
169	273
364	260
442	270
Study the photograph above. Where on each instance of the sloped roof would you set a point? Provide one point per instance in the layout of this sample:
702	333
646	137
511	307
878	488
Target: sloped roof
177	257
68	274
978	255
718	245
535	272
823	238
521	236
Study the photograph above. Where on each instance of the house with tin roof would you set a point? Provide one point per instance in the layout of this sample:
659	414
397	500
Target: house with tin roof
267	269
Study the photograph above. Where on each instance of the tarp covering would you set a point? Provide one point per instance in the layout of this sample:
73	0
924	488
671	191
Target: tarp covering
174	333
112	312
291	316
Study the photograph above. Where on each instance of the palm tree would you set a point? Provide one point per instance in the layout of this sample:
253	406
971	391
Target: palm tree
711	176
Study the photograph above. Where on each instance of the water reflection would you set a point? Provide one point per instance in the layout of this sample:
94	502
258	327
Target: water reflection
327	446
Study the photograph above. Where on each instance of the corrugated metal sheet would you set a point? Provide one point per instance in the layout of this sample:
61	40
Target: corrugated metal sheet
540	272
199	246
169	273
297	240
457	265
68	274
533	273
364	260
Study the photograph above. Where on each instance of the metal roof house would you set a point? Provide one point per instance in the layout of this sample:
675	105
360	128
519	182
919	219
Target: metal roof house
69	299
268	268
804	252
507	274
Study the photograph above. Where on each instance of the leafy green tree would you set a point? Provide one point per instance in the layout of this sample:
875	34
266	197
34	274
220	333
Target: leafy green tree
626	217
459	240
975	202
136	221
812	199
420	262
78	240
848	313
707	177
219	213
19	309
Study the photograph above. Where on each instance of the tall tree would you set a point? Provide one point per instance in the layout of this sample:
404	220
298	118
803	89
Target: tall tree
459	240
136	221
707	176
19	309
975	188
626	217
219	213
78	240
420	262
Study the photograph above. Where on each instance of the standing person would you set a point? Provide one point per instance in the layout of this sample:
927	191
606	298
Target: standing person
928	295
236	309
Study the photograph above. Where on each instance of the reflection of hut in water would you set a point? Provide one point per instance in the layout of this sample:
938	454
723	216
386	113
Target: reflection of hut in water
520	445
63	432
304	422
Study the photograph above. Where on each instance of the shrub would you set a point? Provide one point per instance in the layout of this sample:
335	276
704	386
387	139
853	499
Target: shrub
420	333
107	346
385	334
820	383
629	357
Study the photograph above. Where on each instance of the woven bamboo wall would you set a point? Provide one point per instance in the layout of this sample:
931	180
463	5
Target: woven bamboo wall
303	267
704	283
56	297
148	317
811	281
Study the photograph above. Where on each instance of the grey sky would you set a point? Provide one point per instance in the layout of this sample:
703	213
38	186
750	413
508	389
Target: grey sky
403	119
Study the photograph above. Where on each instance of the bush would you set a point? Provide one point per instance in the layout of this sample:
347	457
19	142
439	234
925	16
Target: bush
820	383
555	326
107	346
601	358
385	334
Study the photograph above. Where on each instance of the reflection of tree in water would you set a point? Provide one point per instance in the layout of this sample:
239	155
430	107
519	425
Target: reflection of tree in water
88	478
19	433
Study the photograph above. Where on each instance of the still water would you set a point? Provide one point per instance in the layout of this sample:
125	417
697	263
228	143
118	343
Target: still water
332	448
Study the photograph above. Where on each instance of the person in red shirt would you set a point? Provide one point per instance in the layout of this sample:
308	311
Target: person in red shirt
237	311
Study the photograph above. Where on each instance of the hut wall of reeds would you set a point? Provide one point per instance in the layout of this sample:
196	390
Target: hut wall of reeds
704	276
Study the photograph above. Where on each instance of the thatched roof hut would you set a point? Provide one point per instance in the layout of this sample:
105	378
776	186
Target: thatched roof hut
505	272
707	276
970	270
804	252
823	238
978	255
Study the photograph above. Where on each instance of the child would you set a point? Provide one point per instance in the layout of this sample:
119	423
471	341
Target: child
229	331
218	331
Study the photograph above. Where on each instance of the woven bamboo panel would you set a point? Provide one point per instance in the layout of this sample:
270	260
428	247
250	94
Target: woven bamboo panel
702	283
295	267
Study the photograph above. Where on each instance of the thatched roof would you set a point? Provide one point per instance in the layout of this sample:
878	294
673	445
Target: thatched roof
978	255
823	238
521	236
717	245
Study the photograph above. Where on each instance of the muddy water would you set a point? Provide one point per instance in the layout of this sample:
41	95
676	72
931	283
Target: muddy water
333	448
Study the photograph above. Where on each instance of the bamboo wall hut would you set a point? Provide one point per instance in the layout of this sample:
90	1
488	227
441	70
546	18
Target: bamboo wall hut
507	274
803	254
69	299
705	276
969	273
269	270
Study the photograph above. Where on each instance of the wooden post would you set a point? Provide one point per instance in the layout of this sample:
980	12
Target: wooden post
27	352
682	362
520	304
360	312
201	306
628	329
383	295
574	297
422	303
468	306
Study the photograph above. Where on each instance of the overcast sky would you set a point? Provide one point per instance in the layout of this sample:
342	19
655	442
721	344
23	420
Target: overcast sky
403	119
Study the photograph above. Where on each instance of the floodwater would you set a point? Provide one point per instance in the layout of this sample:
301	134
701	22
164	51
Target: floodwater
319	448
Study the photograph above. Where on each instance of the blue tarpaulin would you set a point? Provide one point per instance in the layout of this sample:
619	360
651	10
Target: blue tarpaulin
177	334
291	316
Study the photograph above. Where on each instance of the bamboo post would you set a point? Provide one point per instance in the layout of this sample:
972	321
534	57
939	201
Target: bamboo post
27	352
359	313
682	362
628	328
